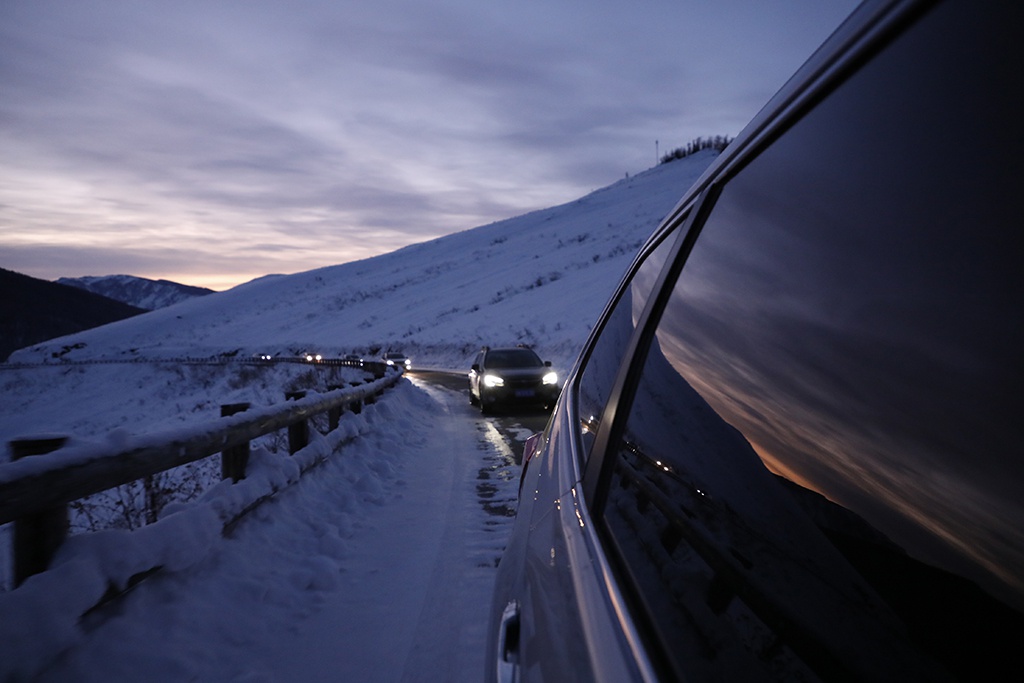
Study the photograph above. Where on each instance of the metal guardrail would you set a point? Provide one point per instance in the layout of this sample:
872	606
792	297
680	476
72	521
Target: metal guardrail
191	360
35	490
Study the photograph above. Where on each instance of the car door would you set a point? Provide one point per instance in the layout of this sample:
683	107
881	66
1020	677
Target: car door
555	620
811	467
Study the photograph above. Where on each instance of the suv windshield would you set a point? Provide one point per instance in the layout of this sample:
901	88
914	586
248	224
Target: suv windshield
513	358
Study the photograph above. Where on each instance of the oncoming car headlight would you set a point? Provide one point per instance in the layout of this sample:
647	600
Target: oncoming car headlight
550	378
493	381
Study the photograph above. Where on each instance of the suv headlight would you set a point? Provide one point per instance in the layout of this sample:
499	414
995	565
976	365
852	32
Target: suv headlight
493	381
550	378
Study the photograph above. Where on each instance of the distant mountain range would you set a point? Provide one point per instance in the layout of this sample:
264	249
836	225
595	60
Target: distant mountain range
34	310
136	291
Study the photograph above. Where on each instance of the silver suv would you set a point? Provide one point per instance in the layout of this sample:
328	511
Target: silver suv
792	447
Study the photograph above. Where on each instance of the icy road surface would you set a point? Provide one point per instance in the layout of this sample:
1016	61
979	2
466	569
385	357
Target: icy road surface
377	566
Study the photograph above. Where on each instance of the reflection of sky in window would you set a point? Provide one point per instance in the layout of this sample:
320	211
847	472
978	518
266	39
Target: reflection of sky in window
603	364
848	405
866	335
680	461
647	276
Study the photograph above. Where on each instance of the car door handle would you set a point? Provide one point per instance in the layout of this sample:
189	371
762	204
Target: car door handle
508	644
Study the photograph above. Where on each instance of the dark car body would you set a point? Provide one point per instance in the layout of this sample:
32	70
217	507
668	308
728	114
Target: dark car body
792	448
511	376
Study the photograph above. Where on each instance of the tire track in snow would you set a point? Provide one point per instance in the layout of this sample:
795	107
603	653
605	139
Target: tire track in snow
451	629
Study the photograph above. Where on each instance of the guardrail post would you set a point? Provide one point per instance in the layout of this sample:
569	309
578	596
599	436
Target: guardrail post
233	461
357	405
376	368
298	433
37	537
334	414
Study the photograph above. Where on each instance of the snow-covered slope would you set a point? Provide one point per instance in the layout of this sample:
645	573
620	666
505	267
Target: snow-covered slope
541	278
136	291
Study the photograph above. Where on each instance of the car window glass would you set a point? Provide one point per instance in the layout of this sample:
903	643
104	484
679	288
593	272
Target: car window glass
821	471
599	373
513	358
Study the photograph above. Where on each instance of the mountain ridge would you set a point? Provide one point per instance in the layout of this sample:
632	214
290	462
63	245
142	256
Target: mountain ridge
33	310
136	291
541	279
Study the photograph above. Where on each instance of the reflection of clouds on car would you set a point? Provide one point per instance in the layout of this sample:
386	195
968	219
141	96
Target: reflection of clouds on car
710	494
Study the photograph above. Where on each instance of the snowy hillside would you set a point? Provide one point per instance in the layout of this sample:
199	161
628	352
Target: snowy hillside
136	291
541	278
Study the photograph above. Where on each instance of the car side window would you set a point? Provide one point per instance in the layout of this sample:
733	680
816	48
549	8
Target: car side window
605	357
821	472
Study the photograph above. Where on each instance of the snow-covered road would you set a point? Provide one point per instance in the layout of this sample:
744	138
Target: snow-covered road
377	566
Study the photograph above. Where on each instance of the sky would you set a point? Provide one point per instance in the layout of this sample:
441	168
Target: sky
212	143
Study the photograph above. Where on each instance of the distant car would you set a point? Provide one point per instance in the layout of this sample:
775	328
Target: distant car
312	357
398	359
791	448
352	359
510	376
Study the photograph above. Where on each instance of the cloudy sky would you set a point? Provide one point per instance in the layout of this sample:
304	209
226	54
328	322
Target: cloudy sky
211	142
